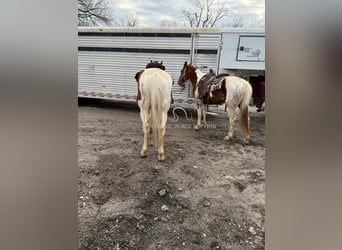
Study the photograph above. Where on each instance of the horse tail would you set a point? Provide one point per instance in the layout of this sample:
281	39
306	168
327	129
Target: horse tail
244	123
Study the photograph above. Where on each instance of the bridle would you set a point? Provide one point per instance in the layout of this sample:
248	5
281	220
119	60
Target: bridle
184	77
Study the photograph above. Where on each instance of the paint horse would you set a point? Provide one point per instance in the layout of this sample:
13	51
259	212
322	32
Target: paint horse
222	89
154	100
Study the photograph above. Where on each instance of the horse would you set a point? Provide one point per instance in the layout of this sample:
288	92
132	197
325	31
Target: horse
222	89
258	86
154	86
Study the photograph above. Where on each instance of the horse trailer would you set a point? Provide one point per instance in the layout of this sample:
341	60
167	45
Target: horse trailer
109	58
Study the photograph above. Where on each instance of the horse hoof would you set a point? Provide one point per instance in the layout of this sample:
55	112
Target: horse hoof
142	155
227	138
161	158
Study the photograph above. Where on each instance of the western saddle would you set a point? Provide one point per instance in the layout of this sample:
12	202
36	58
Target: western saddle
211	81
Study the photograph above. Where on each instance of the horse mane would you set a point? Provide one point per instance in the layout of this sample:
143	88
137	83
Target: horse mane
155	64
191	66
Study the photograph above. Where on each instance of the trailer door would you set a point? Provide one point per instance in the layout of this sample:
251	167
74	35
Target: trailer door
206	51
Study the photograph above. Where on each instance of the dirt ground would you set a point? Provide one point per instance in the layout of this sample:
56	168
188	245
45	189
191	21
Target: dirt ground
207	194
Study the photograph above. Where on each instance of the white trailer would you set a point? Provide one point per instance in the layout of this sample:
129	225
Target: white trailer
108	58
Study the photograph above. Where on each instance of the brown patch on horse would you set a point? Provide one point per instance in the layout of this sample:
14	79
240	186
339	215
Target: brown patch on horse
137	78
218	96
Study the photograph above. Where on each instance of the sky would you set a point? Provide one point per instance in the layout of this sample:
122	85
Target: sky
151	13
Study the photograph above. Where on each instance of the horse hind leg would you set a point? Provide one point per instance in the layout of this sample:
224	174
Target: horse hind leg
150	122
143	152
145	117
161	131
161	155
204	114
232	119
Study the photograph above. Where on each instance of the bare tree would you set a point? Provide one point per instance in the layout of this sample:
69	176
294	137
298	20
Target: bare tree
205	14
128	20
244	20
93	13
252	20
236	21
170	23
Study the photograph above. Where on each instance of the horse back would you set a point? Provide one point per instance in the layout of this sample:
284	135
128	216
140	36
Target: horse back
156	79
237	85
